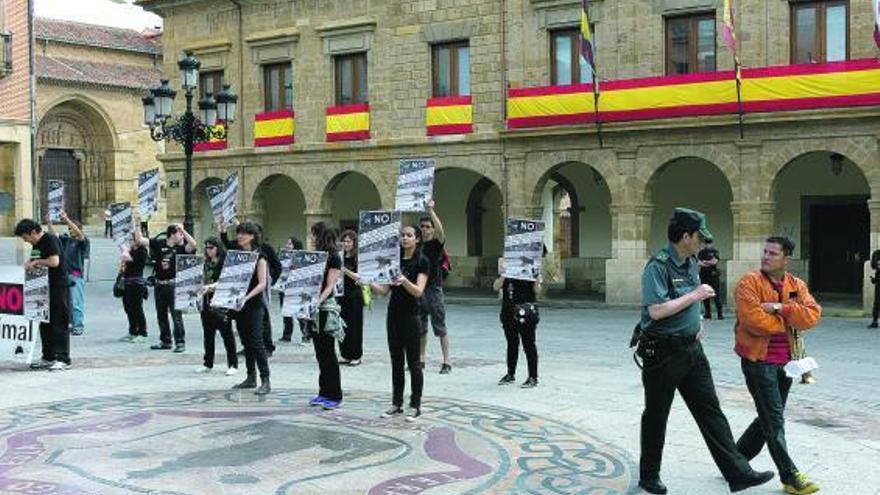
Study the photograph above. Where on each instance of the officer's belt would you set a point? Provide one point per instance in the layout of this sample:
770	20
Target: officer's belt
671	340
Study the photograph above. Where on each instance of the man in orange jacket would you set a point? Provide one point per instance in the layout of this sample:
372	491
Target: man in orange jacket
771	307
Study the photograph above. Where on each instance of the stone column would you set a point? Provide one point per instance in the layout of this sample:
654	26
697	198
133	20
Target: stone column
630	226
752	225
867	286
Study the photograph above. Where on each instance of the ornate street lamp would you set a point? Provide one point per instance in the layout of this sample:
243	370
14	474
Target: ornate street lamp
187	130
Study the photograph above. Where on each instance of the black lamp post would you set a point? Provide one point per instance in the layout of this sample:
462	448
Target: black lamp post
187	130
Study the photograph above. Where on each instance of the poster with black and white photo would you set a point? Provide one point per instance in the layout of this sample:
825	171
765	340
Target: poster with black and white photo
379	246
120	219
415	185
148	192
215	198
235	278
230	196
339	288
284	257
188	282
303	288
55	200
36	294
523	249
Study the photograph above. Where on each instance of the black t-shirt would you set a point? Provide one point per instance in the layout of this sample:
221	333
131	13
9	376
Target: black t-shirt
350	286
708	254
333	262
47	246
515	292
433	251
164	256
135	267
401	301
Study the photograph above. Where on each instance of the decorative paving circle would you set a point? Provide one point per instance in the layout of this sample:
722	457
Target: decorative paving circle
217	442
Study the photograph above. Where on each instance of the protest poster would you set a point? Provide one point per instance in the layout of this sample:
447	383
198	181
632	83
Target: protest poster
523	249
36	294
339	288
148	192
17	333
415	185
120	220
188	282
303	287
379	246
55	200
230	196
284	257
215	198
235	278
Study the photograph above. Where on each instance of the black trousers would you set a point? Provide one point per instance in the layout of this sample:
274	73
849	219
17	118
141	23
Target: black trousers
329	379
352	346
713	281
515	333
54	334
875	312
249	322
133	303
404	336
769	386
108	228
212	323
268	344
164	295
686	370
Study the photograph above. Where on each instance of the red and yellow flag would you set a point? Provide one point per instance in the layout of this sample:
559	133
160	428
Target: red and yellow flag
449	115
348	123
214	143
274	128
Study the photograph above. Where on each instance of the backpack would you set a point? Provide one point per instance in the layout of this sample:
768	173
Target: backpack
445	265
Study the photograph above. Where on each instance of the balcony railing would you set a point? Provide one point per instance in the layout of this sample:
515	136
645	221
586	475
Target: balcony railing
5	53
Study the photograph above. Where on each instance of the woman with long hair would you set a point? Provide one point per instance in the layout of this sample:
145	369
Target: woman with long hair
133	259
403	322
213	320
351	349
519	319
324	335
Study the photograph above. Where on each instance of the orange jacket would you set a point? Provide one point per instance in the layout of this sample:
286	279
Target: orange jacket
754	326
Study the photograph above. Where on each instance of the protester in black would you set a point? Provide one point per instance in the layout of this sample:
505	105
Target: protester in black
47	252
433	302
324	335
519	324
287	336
271	261
710	274
133	261
164	252
351	349
213	319
403	323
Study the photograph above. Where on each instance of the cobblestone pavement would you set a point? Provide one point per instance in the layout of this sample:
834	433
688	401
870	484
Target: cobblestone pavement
126	419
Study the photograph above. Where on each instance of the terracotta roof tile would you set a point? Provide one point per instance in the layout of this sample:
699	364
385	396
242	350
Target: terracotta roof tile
96	73
79	33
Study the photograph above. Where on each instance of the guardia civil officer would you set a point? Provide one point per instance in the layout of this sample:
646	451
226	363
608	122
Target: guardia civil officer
673	357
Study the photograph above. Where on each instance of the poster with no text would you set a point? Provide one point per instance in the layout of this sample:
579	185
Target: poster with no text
36	294
379	246
120	219
235	277
215	198
188	282
55	200
523	249
148	192
415	185
303	289
230	195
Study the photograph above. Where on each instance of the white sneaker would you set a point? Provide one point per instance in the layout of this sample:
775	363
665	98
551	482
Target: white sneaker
231	371
203	369
414	414
59	366
128	338
140	339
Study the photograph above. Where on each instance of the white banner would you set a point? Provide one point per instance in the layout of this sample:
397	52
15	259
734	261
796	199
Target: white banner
230	196
379	246
235	278
284	257
36	294
17	333
188	282
415	185
120	218
215	197
55	200
523	249
303	287
148	193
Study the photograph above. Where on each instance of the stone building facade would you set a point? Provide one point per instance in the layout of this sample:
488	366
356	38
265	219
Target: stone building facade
803	167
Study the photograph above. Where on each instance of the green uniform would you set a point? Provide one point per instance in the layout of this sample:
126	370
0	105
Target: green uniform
663	267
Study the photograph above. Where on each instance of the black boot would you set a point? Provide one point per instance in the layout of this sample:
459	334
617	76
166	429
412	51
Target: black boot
265	387
249	382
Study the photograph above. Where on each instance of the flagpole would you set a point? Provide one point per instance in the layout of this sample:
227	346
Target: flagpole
596	107
739	101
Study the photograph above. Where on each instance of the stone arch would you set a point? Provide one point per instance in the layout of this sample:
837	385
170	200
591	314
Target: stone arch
471	207
539	165
87	101
347	193
279	205
652	160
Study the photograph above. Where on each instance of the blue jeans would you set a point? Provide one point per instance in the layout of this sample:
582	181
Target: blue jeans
77	301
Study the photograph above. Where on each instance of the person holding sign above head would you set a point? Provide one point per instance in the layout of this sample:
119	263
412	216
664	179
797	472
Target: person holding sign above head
519	319
215	320
76	250
352	301
330	326
133	260
177	241
433	242
403	322
46	252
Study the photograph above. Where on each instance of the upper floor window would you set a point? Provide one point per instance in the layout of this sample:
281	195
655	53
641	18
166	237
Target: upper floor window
210	82
278	87
451	72
819	31
690	44
567	64
351	78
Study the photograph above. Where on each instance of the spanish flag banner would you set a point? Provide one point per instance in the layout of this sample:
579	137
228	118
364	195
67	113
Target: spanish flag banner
274	128
348	123
449	115
213	144
795	87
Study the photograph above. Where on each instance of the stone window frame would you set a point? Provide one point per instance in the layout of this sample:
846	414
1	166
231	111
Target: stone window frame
346	38
821	27
447	33
561	15
274	47
213	54
694	17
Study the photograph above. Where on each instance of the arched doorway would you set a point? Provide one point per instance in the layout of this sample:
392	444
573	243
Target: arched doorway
346	196
279	204
204	221
75	143
821	204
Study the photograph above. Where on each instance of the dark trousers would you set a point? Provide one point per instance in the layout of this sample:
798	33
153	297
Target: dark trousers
515	333
108	228
164	295
875	312
145	229
713	281
404	336
133	303
352	346
686	370
212	323
329	380
267	333
769	386
54	334
249	322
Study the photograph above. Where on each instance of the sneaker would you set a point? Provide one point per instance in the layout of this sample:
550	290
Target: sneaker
413	415
139	339
800	485
329	404
127	338
42	364
393	411
178	348
873	325
59	366
231	371
344	362
445	369
317	401
77	331
506	379
354	362
531	382
160	347
203	369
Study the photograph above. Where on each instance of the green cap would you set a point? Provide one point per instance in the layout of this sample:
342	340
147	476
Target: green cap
692	219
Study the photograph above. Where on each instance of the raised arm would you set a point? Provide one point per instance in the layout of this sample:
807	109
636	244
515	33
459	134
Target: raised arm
75	232
191	244
439	233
